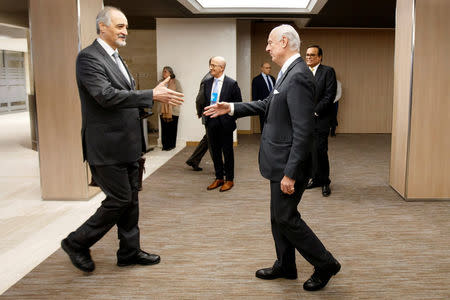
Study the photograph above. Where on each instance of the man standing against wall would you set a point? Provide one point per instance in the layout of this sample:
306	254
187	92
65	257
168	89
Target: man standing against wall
262	85
112	142
221	88
323	116
285	159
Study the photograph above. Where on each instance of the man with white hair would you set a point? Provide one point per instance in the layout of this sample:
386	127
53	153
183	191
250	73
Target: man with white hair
112	142
285	158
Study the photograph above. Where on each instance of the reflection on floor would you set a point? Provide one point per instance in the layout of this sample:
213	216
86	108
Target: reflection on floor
30	228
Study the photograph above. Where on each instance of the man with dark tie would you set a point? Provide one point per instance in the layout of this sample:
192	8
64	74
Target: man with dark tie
262	85
285	159
112	142
323	117
221	88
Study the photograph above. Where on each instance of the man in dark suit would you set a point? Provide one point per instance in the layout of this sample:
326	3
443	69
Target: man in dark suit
221	88
285	159
200	103
112	142
323	117
262	85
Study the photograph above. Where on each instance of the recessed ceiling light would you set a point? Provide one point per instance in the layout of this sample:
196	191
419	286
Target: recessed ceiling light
254	3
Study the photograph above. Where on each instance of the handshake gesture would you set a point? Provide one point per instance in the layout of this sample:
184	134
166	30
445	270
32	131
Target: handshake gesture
164	95
218	109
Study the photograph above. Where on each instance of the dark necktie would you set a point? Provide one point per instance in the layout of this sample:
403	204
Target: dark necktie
269	82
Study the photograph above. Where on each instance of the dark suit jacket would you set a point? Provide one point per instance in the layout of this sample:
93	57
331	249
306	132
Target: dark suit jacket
230	93
260	90
286	141
111	131
326	93
200	101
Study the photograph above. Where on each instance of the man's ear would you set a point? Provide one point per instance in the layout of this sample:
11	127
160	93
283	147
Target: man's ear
284	42
102	26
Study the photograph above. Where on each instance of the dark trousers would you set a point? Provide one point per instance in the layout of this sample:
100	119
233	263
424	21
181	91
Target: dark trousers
334	122
120	207
221	142
321	164
290	232
169	133
199	152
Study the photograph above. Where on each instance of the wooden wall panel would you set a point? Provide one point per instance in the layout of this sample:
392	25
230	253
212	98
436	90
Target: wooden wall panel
402	93
88	12
429	169
140	56
63	173
363	60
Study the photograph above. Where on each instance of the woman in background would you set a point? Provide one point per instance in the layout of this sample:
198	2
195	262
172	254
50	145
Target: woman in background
169	113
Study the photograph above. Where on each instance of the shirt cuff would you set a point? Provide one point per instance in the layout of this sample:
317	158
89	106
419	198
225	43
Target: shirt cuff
231	113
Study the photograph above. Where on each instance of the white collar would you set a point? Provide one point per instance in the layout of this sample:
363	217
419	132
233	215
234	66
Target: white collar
314	69
221	77
107	47
289	62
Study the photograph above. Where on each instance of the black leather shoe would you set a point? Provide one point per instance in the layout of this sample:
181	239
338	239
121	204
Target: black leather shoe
320	278
326	191
80	259
142	258
271	273
194	166
311	184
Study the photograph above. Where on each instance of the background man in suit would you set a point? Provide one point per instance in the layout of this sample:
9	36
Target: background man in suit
200	103
221	88
112	143
323	116
262	85
285	159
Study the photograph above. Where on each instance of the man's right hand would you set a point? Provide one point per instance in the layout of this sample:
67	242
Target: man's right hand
164	95
217	109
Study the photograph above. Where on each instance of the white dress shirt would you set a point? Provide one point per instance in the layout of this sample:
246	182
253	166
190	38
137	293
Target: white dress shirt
111	52
314	69
219	88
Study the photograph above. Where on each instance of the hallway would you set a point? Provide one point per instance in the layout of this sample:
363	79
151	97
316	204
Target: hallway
211	243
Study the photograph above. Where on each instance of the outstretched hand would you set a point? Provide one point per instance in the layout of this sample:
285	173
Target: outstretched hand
164	95
217	109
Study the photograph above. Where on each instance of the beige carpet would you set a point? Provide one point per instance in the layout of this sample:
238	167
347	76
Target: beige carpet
211	243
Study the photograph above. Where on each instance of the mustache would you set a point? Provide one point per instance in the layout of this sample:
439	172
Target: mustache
122	36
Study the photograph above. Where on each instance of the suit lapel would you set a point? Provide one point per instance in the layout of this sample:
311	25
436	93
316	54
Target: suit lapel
208	88
224	88
113	66
279	82
319	72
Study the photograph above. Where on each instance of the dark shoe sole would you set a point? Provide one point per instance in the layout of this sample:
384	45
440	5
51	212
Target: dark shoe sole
290	277
141	264
65	247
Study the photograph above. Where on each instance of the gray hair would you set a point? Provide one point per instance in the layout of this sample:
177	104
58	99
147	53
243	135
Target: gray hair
290	33
104	16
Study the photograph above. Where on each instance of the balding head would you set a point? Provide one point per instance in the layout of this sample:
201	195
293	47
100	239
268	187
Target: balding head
217	66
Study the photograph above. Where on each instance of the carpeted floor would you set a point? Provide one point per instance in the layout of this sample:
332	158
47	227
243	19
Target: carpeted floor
212	243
